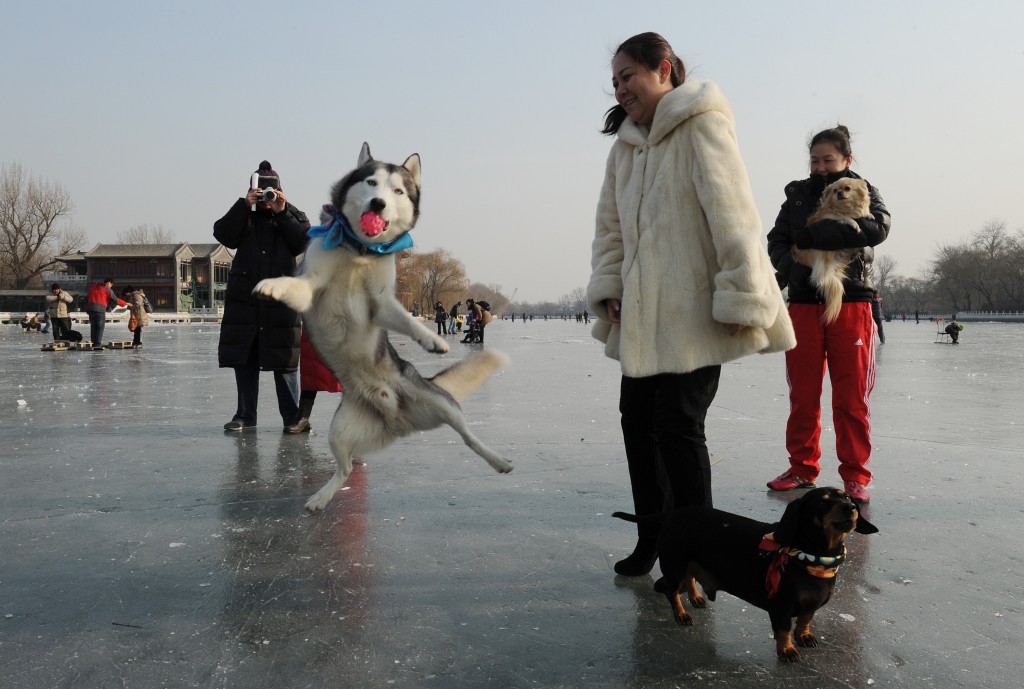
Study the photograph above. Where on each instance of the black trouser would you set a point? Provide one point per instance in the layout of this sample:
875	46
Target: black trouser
666	450
97	321
442	328
247	381
137	336
61	326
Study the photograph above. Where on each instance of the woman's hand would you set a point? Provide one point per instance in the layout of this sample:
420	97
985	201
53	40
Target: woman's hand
614	307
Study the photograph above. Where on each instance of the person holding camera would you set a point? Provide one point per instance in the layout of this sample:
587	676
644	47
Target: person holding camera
57	304
267	234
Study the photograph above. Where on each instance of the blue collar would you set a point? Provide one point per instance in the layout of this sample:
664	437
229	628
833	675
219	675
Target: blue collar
335	232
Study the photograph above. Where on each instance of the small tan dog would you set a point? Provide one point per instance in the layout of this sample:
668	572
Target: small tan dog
843	200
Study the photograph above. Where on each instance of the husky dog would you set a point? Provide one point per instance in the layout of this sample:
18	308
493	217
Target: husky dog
844	200
345	292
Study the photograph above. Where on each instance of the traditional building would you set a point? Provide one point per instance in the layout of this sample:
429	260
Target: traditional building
175	277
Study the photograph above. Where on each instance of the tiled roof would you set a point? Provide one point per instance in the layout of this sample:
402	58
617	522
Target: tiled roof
132	250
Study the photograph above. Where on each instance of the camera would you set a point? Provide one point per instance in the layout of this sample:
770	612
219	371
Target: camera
266	188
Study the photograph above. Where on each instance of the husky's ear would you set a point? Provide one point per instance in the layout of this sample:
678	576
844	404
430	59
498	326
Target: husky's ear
364	155
412	164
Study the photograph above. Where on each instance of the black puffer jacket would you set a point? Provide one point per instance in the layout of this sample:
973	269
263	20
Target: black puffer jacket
802	197
265	247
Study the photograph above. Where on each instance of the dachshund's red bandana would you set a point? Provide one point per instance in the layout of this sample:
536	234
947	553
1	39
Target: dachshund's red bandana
822	566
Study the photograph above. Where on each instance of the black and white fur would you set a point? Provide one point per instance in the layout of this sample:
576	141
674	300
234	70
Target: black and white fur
347	300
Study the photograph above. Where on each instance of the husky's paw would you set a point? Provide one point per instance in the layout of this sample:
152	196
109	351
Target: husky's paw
320	499
291	291
502	466
434	344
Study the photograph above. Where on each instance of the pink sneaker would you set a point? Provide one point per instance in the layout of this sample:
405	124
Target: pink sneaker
857	491
789	481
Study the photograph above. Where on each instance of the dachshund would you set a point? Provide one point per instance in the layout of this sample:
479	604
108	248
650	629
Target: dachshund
788	569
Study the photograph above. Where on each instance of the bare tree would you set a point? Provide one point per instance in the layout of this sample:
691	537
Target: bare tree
432	277
34	227
578	299
884	270
146	234
492	294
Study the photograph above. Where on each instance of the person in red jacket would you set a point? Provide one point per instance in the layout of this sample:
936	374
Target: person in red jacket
314	377
98	302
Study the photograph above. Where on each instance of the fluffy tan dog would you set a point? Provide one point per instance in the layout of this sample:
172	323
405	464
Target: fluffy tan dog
844	200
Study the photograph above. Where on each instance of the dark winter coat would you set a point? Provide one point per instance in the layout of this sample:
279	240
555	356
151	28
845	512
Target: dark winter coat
440	313
265	245
802	197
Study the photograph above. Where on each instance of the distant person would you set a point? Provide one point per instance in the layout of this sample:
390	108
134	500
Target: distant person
30	323
953	330
846	348
453	314
100	300
876	315
441	318
680	281
57	304
481	311
267	234
139	308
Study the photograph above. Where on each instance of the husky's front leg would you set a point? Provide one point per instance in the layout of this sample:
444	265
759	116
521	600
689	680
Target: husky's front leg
391	315
295	292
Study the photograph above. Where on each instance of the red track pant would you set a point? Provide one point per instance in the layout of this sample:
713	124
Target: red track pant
846	348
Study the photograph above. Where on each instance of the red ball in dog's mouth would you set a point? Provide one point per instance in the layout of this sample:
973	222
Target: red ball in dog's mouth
372	224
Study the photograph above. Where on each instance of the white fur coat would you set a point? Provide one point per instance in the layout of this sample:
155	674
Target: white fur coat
679	242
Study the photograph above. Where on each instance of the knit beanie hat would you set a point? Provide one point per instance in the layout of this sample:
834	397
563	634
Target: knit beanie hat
266	171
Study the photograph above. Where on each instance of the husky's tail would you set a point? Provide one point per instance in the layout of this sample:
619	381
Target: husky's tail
828	274
467	375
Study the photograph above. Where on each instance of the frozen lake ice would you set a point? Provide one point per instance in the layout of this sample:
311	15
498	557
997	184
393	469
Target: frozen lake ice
141	546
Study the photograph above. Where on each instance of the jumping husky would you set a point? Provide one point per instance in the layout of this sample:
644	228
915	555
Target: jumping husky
345	291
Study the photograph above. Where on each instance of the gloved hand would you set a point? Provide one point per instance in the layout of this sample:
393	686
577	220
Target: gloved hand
827	234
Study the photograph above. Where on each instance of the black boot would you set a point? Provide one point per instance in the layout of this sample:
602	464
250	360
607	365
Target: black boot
641	561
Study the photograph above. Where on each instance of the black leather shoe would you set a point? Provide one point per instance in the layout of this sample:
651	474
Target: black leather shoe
300	426
640	562
235	425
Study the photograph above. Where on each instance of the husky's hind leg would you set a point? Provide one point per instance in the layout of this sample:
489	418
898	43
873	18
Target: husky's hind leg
342	448
295	292
354	431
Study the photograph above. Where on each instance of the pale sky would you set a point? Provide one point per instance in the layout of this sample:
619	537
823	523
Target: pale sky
158	113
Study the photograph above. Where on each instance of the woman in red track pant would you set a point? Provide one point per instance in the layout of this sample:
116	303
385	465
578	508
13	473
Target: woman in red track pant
845	347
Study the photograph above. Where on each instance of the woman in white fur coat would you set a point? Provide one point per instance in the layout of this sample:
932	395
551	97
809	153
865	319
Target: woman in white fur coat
681	282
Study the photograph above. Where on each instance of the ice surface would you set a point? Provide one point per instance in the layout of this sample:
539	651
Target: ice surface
141	546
